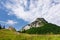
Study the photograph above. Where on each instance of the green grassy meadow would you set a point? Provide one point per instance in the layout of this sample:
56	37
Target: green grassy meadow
10	35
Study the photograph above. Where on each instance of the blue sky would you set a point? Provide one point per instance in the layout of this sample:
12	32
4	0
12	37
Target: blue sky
4	17
21	12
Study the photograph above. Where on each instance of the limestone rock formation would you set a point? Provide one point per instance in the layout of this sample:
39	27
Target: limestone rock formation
37	23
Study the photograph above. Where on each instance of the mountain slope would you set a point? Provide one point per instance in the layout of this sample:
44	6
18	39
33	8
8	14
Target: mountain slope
37	23
6	34
46	29
10	35
41	26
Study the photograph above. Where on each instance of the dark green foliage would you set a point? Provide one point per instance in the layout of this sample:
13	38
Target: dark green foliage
46	29
0	26
23	31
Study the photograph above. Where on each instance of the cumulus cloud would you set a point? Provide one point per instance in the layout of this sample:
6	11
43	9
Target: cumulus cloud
9	22
29	10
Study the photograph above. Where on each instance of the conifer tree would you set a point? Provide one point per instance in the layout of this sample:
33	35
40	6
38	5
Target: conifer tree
0	26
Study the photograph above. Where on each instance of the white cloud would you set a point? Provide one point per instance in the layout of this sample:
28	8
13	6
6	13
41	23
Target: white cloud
54	15
11	22
2	22
49	9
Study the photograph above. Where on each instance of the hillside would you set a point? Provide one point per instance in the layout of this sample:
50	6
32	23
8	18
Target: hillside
43	27
6	34
46	29
37	23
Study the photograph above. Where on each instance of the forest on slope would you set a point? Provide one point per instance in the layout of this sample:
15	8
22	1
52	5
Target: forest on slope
46	29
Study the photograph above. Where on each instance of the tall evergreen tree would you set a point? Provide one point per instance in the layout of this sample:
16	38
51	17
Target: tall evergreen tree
0	26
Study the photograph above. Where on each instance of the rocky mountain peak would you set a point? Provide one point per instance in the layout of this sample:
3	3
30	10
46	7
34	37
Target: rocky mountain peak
37	23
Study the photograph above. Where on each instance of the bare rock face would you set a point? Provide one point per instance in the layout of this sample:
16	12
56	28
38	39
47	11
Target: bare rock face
37	23
11	28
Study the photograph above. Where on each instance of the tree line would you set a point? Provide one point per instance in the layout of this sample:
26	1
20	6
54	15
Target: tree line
46	29
2	27
10	27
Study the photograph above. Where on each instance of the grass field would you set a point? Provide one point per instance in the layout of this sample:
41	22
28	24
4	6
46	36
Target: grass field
10	35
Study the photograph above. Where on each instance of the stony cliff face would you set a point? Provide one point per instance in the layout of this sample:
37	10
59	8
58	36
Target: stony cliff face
37	23
11	28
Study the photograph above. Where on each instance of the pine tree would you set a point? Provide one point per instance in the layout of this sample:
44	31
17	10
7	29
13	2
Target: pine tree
0	26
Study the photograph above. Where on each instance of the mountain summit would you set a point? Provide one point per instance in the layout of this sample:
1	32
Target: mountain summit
41	26
37	23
